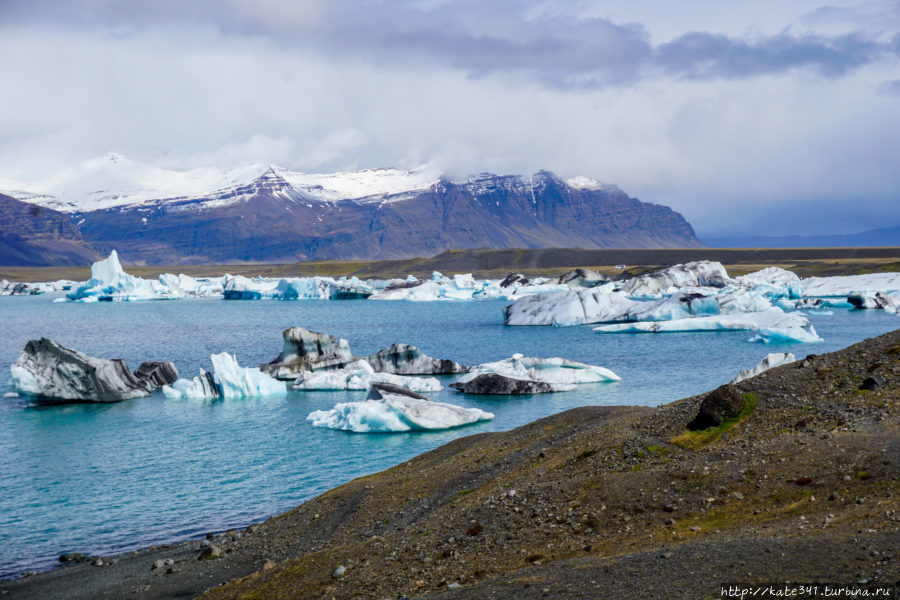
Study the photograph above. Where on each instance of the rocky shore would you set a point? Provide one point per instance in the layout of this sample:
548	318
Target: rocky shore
799	485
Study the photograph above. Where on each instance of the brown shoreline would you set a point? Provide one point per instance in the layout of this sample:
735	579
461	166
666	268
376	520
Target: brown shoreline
805	262
592	502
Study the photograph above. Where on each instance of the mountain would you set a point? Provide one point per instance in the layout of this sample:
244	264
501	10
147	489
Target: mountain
886	237
269	214
33	236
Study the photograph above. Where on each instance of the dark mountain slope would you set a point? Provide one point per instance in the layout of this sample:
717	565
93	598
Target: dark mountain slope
32	236
270	221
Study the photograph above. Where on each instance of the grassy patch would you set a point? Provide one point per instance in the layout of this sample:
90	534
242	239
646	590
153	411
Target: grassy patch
694	440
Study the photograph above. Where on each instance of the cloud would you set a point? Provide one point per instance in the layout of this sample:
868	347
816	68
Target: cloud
729	120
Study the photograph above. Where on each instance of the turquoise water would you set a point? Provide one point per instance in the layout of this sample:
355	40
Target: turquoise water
103	479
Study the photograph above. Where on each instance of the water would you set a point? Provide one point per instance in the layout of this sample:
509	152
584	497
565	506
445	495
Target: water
102	479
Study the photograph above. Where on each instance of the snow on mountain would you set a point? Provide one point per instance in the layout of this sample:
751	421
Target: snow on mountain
115	180
372	184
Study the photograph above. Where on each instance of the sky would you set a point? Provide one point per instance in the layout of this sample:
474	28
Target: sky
749	117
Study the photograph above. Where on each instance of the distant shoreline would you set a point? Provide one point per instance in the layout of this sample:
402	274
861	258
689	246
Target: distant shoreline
806	262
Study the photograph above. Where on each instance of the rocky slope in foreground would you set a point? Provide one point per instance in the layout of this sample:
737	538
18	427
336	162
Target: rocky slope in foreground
593	502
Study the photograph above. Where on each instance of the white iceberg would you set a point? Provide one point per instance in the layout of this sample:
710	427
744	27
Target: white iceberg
549	370
360	376
773	282
836	287
596	305
229	380
773	324
772	360
667	281
396	413
875	300
109	282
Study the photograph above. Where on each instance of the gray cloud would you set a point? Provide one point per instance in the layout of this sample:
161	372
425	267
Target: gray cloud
761	117
504	37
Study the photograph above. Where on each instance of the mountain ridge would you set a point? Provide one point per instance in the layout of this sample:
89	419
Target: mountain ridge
287	216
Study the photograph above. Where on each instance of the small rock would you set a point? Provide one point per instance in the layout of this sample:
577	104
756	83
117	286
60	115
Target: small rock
98	562
269	564
834	496
210	552
511	493
669	508
171	570
71	557
475	529
873	382
803	481
453	585
339	572
737	495
695	528
158	564
668	555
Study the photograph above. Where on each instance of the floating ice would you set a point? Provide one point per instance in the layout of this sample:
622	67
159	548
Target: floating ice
772	360
360	376
229	380
396	413
548	370
596	305
670	280
773	282
875	300
109	282
836	287
774	325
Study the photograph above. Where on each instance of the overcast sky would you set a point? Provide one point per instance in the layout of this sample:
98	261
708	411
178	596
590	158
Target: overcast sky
759	116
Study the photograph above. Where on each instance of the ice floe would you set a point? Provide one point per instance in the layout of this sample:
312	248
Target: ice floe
395	411
360	376
53	373
773	325
877	300
228	380
703	273
550	370
836	287
771	360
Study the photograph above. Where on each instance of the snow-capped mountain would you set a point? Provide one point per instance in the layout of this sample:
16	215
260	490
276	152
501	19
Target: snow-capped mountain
265	213
116	181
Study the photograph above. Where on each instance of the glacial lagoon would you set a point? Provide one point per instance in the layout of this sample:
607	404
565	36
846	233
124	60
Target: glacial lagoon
103	479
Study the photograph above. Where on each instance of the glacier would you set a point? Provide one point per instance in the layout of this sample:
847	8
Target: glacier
383	412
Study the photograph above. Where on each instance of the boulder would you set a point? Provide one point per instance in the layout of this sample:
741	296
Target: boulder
403	359
496	384
306	350
721	404
50	372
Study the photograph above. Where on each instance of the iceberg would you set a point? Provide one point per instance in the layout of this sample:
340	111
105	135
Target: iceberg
360	376
596	305
403	359
667	281
837	287
773	324
383	411
305	350
875	300
495	384
773	282
53	373
229	380
110	283
772	360
548	370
